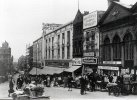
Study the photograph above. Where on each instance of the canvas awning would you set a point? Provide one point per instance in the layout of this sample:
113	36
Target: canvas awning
34	71
72	68
52	70
47	70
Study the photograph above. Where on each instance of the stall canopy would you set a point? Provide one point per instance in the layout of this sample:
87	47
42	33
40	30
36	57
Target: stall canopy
47	70
34	71
52	70
72	68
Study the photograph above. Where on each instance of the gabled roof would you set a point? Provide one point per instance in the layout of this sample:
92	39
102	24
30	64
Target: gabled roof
78	17
134	7
123	5
113	4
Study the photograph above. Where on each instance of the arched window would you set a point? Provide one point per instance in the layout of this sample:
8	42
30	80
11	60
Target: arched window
107	49
128	47
116	48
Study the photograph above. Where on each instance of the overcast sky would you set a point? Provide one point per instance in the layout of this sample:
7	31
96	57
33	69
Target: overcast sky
21	20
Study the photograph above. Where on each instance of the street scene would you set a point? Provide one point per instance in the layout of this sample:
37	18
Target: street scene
87	50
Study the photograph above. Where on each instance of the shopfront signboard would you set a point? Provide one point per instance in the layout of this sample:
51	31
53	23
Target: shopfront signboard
108	67
89	54
111	62
76	61
90	20
89	60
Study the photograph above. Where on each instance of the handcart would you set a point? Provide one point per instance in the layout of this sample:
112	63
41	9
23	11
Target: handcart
114	89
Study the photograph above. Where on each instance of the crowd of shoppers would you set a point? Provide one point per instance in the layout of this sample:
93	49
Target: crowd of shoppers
87	82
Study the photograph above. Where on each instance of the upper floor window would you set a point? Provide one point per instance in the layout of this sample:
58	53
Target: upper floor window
128	47
107	49
116	48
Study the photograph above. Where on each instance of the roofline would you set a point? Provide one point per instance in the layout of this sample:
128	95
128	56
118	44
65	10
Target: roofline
109	8
71	22
134	6
121	5
37	39
105	14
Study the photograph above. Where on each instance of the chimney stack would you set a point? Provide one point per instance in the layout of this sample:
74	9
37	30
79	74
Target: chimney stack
110	1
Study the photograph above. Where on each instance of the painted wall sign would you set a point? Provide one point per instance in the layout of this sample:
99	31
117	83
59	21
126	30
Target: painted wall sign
77	61
111	62
89	54
89	60
90	20
108	67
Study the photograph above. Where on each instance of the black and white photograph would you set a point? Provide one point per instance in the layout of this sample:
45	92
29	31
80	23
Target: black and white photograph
68	49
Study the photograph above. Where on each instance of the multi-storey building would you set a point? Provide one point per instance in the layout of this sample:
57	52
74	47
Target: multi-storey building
118	45
58	46
37	52
29	56
91	40
6	60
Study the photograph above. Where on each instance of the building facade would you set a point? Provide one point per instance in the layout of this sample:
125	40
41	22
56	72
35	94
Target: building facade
6	60
118	46
58	46
29	56
37	52
91	40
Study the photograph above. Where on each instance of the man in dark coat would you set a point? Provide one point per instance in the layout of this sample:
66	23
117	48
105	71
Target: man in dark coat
19	82
11	86
82	84
70	79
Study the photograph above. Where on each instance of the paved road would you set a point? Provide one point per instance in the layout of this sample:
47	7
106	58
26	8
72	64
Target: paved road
63	93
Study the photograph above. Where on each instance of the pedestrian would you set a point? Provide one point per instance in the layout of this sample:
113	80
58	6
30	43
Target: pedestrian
48	81
86	83
65	81
70	79
19	82
110	78
11	85
82	84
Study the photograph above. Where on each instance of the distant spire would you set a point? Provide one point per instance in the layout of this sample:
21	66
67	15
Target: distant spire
78	4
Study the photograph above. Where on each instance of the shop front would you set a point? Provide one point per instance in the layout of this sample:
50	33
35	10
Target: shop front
89	65
75	69
110	68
